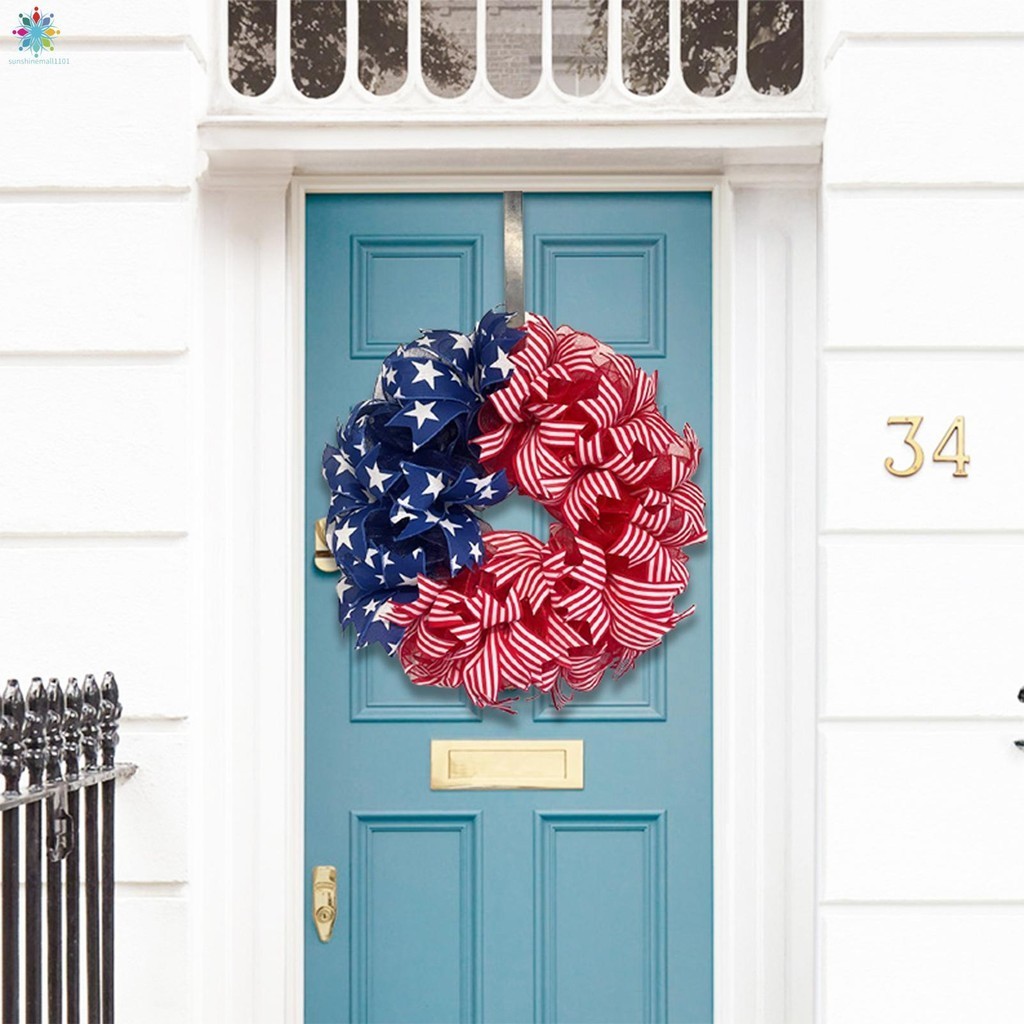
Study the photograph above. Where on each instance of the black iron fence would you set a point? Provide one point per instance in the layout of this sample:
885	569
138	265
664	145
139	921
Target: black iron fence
55	744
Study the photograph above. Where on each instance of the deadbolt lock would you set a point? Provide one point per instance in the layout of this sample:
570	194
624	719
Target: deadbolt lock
325	900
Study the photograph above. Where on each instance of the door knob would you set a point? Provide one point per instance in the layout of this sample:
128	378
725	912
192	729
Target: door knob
325	900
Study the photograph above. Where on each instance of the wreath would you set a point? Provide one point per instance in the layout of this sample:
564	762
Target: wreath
455	423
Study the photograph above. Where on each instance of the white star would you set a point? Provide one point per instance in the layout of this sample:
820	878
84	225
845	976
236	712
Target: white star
370	552
435	484
386	560
480	481
403	511
487	492
447	524
455	377
463	344
397	395
371	606
377	477
474	550
430	518
417	553
389	374
455	564
422	411
503	364
427	372
424	341
407	581
343	535
344	466
392	648
362	446
381	579
343	588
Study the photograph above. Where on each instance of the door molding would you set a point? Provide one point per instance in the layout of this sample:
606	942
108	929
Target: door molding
248	390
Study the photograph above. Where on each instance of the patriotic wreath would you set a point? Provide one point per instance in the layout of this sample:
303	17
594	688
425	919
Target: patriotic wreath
456	421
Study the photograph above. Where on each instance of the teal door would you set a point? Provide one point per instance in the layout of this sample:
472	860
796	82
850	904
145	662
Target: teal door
591	905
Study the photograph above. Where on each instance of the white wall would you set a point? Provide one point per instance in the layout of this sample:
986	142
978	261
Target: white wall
921	791
109	485
100	293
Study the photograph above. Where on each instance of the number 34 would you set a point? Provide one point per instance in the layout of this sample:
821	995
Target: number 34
961	458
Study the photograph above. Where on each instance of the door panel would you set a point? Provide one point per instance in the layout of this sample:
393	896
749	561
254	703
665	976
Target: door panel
602	264
509	906
582	973
401	925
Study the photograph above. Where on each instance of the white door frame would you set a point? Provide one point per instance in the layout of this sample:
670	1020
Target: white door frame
248	395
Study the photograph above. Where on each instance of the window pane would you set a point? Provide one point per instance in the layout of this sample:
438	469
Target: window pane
383	44
709	45
645	45
580	45
775	50
252	38
513	46
318	46
449	45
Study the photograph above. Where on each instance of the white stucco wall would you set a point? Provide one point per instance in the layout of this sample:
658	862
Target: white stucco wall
98	278
106	485
920	823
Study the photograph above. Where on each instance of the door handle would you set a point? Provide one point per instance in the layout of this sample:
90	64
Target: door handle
325	900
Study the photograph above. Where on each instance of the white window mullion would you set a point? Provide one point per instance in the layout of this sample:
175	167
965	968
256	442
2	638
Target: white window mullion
742	84
481	40
352	43
284	48
615	44
415	57
675	43
547	44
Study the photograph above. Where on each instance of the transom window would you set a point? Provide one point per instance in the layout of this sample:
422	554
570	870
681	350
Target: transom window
680	52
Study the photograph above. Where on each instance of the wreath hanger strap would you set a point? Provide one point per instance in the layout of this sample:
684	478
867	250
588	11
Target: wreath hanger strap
515	290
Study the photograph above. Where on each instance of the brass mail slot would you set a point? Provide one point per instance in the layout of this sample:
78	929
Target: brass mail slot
506	764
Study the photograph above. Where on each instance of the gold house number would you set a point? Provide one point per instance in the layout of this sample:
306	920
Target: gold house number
960	458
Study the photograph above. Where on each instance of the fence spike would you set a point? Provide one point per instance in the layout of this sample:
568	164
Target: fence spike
34	739
110	713
72	730
11	764
90	722
72	750
12	705
54	722
34	736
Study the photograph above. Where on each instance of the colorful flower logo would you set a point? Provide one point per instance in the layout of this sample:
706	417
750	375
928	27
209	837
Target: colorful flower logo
36	32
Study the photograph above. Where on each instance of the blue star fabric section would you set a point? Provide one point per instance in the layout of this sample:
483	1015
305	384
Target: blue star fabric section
405	481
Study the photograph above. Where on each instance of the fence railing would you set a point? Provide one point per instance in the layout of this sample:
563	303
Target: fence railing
56	743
